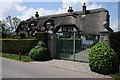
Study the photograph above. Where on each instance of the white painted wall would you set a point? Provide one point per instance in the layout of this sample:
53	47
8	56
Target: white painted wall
84	41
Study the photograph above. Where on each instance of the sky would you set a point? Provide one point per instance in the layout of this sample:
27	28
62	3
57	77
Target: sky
27	8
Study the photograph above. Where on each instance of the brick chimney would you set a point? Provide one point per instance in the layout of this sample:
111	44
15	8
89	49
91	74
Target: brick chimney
70	10
84	9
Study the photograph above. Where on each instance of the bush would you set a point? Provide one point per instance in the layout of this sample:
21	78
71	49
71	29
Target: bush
22	35
17	45
103	59
42	36
115	42
39	53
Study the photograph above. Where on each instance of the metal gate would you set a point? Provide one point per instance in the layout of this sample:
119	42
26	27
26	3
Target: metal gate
72	49
69	48
66	48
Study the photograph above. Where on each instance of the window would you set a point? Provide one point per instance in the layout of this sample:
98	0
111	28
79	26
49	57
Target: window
70	28
89	37
67	29
48	27
64	29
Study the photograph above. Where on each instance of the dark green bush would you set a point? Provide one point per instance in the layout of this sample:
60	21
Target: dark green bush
42	36
103	59
17	45
39	53
22	35
115	42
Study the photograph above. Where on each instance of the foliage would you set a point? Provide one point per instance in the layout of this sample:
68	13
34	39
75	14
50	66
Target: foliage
8	26
39	53
116	76
42	36
17	45
15	57
12	22
115	42
103	59
22	36
3	30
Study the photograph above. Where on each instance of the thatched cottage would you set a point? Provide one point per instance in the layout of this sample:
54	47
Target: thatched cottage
88	23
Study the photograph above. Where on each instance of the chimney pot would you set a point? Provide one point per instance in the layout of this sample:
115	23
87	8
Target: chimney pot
36	15
84	8
70	10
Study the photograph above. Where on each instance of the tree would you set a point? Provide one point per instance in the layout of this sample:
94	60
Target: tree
8	26
16	22
4	32
12	22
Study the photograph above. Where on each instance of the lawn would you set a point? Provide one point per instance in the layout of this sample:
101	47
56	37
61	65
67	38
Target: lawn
115	76
16	57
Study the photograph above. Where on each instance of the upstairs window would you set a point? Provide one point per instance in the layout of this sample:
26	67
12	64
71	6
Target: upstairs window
70	29
64	29
48	26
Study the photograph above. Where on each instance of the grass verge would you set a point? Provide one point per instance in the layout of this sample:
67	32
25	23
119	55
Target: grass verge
15	57
116	76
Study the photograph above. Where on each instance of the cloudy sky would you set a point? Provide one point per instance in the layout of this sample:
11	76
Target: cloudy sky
27	8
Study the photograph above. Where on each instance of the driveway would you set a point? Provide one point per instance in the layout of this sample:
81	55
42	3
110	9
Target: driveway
16	69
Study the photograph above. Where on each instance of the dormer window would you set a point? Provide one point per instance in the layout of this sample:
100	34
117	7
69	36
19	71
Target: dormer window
48	26
32	24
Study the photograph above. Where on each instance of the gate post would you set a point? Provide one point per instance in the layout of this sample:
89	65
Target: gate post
52	45
74	46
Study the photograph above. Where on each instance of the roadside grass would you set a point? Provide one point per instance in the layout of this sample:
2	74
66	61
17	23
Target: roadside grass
15	57
116	76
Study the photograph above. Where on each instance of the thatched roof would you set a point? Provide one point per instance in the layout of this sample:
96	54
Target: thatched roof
92	23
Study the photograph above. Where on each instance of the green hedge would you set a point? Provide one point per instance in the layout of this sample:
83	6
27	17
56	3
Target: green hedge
18	45
42	36
115	42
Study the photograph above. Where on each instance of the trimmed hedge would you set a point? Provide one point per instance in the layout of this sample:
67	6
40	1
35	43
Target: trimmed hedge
103	59
115	42
18	45
22	36
42	36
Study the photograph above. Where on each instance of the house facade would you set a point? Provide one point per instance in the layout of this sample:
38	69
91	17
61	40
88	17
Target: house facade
88	24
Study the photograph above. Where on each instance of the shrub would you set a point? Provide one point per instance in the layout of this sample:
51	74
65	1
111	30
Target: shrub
115	42
17	45
22	35
39	53
103	59
42	36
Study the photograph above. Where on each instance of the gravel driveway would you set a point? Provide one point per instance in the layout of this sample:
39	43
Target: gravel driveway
71	65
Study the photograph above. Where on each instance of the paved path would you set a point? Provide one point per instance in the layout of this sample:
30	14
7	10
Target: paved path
81	56
16	69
